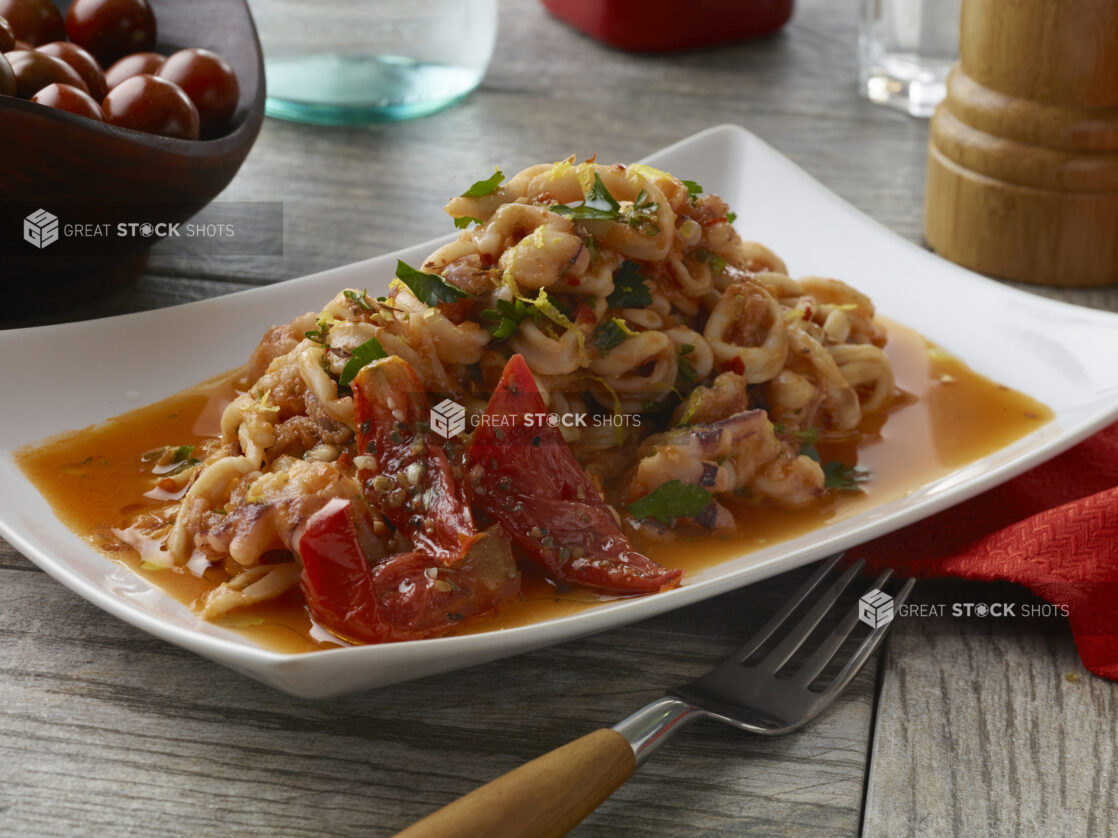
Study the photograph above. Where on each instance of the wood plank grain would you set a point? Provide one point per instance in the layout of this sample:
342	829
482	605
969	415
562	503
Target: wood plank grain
990	727
147	292
104	729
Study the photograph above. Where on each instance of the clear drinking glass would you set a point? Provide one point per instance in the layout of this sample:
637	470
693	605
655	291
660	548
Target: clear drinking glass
353	61
906	48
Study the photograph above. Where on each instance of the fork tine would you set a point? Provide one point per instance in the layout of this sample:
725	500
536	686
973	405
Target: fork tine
829	647
787	647
778	619
854	665
756	698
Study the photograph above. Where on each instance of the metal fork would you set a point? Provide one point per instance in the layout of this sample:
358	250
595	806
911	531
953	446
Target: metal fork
551	794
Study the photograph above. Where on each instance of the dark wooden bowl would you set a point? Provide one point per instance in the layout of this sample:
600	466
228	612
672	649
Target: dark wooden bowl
85	172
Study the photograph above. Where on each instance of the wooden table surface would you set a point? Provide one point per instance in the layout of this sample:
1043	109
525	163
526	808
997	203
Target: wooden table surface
958	728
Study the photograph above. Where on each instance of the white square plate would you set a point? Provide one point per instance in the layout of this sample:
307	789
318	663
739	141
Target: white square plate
58	378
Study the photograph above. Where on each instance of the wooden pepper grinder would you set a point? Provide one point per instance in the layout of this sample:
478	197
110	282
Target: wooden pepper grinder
1023	158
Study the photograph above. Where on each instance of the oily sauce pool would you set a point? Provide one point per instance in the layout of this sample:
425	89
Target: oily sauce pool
946	417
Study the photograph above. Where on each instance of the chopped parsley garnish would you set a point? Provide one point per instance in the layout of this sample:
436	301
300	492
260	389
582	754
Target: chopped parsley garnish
504	320
362	356
545	307
808	437
674	499
180	460
566	304
693	189
629	289
731	217
838	475
610	333
323	324
807	440
361	299
807	446
428	288
689	408
181	453
599	205
485	187
618	430
686	369
189	462
716	262
592	248
642	215
464	221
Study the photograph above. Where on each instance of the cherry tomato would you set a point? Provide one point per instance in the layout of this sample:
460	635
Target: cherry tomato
35	70
111	28
136	64
522	473
210	83
7	36
84	64
33	21
153	105
67	98
7	78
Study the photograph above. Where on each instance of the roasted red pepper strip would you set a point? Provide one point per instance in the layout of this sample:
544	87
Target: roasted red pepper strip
412	484
523	474
336	579
404	597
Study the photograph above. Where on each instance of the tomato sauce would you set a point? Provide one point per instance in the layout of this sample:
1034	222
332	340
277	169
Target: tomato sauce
947	416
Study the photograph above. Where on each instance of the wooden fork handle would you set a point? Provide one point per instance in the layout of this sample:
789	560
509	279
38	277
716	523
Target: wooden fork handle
543	798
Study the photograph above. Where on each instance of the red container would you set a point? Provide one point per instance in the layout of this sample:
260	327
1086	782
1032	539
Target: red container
663	25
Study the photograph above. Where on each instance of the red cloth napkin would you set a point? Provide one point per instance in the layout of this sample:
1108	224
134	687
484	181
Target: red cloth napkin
1053	529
